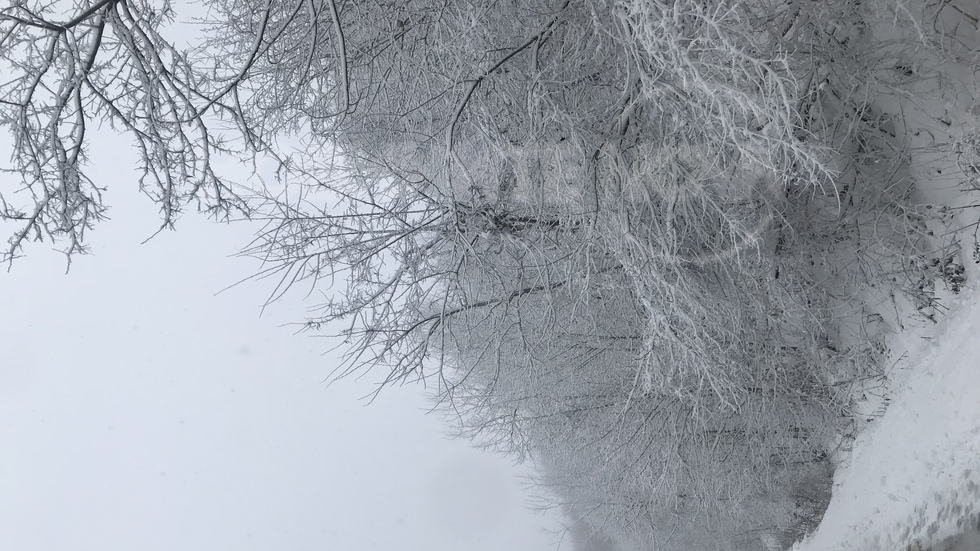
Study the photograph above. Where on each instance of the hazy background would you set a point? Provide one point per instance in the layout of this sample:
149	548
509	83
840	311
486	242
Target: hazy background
140	410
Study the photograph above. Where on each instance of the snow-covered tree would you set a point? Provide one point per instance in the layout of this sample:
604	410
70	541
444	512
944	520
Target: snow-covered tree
628	237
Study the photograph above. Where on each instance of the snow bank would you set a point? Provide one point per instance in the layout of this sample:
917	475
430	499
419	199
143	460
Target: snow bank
914	476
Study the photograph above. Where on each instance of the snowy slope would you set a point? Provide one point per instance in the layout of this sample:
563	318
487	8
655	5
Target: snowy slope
914	475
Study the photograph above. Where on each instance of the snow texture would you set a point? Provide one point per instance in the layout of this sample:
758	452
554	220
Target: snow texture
914	476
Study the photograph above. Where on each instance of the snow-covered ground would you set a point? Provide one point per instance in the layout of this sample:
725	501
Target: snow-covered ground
914	476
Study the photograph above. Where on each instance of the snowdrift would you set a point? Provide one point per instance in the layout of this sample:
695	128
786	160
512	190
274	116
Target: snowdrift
913	480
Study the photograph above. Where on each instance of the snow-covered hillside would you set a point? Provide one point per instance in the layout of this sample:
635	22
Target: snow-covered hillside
914	476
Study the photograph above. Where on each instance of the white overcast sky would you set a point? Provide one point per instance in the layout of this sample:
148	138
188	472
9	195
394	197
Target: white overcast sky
141	411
